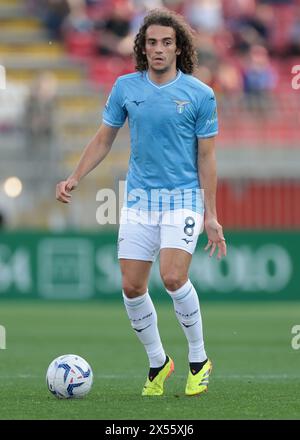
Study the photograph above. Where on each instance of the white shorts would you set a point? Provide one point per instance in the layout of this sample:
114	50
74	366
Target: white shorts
143	233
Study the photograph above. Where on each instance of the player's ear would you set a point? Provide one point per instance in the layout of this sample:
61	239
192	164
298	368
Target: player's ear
178	51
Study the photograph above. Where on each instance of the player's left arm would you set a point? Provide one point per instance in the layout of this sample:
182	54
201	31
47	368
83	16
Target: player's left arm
208	177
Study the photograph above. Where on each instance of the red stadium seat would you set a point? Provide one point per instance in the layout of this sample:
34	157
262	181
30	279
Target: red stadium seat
80	44
105	70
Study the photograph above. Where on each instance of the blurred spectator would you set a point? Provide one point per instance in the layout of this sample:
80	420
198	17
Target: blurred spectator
278	2
95	2
110	32
235	9
229	86
140	10
294	35
204	15
204	74
206	50
173	5
52	13
259	79
39	125
77	20
224	43
2	220
12	101
40	106
284	12
251	28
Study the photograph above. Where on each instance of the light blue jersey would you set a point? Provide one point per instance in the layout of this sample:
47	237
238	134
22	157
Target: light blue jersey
165	122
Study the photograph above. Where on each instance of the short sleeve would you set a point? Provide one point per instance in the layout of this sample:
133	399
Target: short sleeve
207	120
114	113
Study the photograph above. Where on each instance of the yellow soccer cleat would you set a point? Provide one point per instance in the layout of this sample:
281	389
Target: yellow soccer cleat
198	383
155	387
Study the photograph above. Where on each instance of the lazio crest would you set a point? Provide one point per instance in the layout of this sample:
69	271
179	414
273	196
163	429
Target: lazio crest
180	105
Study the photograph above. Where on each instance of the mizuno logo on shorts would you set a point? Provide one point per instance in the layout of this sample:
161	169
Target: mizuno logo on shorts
187	241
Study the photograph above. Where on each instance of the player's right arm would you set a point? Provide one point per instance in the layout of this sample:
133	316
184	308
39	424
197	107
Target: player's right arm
92	155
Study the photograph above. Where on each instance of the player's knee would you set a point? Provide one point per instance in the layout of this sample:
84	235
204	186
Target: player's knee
132	290
173	281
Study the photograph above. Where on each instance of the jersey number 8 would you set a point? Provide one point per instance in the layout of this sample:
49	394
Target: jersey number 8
189	226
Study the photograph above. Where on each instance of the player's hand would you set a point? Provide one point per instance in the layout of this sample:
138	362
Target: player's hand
64	188
215	237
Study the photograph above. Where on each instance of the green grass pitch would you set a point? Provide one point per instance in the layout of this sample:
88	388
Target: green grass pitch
256	371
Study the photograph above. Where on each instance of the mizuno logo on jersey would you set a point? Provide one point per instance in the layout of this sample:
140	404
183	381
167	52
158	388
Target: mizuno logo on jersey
180	105
137	103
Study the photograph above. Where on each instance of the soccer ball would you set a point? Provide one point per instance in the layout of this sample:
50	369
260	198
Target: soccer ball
69	376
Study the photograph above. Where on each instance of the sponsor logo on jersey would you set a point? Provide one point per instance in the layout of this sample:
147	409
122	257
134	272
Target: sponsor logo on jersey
213	118
107	102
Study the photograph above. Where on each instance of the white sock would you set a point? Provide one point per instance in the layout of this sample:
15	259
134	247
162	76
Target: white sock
143	318
187	309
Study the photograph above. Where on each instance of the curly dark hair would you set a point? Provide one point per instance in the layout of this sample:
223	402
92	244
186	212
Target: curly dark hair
186	60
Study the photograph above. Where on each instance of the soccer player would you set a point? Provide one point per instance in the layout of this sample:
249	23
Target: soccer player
173	122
